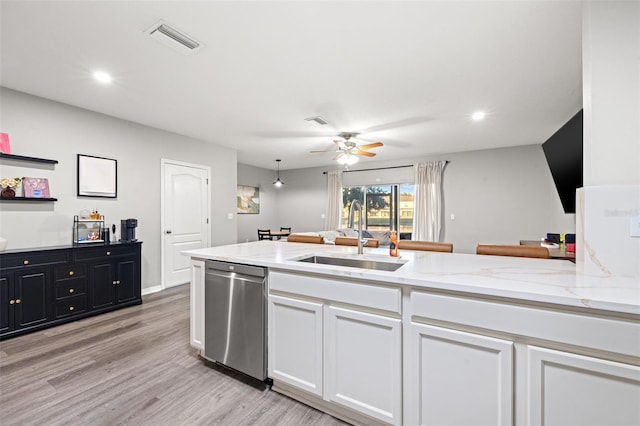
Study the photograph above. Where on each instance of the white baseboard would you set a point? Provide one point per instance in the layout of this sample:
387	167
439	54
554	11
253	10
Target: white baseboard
149	290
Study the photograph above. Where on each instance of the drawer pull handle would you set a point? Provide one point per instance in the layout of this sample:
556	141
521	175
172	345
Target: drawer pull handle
11	302
118	281
71	308
115	282
71	272
71	290
25	262
18	301
108	253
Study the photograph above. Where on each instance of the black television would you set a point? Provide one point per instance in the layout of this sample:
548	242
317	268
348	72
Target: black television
564	156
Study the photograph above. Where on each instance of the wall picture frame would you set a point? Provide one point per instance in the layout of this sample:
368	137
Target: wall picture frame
248	200
97	177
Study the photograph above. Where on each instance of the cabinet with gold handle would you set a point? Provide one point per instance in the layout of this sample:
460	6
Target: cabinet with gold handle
63	284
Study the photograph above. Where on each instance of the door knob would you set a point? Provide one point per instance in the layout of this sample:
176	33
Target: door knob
168	231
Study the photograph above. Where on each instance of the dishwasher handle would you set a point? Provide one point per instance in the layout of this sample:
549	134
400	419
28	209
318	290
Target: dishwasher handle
217	266
233	276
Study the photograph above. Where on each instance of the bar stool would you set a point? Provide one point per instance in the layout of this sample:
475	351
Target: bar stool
425	246
515	251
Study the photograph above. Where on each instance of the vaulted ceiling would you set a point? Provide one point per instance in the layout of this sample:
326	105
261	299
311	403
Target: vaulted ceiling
409	74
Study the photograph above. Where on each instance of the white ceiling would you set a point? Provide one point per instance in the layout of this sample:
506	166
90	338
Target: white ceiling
406	73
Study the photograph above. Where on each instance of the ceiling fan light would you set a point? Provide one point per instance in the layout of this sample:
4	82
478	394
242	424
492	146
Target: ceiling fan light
347	159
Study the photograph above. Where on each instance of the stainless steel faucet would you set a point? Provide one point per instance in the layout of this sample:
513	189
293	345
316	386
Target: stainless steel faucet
356	204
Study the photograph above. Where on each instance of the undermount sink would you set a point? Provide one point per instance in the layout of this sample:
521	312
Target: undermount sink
353	263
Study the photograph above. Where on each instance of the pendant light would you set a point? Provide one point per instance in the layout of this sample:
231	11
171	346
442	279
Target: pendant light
278	182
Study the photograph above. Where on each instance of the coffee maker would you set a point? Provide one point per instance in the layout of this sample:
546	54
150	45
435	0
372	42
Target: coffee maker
128	230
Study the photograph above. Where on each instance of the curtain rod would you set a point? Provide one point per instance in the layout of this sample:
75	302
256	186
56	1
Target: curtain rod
379	168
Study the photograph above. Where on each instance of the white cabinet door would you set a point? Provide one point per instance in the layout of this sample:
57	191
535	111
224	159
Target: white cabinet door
197	304
295	343
570	389
363	363
458	378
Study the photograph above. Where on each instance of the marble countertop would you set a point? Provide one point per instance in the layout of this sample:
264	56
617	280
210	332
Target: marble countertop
540	280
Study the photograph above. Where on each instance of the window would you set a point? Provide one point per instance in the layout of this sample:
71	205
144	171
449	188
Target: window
388	207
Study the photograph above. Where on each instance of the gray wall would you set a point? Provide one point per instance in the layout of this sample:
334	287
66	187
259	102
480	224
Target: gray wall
268	217
42	128
497	196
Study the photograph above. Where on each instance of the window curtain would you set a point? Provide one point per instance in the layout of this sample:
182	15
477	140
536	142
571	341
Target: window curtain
334	205
428	201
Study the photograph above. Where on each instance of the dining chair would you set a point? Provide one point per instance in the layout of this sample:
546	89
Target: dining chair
298	238
425	246
353	241
513	250
264	234
285	229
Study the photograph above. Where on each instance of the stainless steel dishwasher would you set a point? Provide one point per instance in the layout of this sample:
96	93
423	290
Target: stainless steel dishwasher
235	330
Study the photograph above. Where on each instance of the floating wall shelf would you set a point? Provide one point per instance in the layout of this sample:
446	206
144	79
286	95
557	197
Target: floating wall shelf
25	158
27	199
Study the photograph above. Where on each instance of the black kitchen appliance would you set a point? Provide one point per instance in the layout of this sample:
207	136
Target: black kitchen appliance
128	230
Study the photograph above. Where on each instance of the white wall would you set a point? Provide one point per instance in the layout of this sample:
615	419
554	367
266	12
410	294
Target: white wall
41	128
611	93
498	196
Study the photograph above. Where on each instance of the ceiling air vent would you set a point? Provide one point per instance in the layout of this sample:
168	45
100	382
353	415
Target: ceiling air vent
173	38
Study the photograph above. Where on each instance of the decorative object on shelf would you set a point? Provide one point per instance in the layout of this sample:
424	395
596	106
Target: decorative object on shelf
88	230
278	182
36	187
248	200
3	244
97	177
9	186
5	147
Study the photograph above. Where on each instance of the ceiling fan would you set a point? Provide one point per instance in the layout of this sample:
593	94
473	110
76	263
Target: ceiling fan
348	150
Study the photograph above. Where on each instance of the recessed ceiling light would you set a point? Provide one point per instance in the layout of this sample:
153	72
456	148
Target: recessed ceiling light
102	77
478	115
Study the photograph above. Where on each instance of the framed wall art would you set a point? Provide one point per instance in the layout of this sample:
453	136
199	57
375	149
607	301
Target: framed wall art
97	176
248	200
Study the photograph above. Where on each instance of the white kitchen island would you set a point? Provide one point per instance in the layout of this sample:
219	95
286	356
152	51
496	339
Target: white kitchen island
445	339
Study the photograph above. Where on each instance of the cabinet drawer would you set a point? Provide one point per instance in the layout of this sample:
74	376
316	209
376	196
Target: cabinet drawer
70	306
609	334
33	258
63	272
70	288
103	251
353	292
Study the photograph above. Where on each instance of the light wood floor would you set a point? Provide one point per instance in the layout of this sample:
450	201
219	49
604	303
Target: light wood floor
133	366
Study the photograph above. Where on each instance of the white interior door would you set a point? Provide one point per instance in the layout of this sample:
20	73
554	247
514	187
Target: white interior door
185	217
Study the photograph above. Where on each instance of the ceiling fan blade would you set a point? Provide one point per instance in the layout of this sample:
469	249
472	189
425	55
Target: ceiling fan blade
371	145
365	153
326	150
